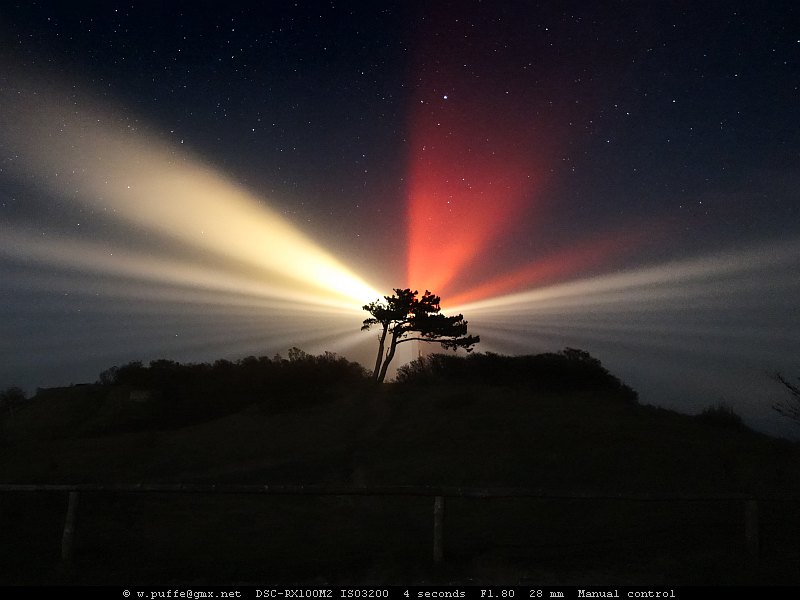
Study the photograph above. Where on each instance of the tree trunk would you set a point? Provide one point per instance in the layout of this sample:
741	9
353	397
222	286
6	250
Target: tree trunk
389	357
381	342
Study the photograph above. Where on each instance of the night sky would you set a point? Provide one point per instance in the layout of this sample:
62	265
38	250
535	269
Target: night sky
620	177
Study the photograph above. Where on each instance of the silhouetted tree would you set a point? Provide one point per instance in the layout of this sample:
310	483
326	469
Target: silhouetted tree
789	407
406	317
297	355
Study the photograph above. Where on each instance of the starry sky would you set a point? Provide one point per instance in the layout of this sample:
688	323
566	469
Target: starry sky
477	149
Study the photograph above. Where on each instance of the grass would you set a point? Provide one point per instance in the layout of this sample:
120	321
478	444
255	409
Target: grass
479	435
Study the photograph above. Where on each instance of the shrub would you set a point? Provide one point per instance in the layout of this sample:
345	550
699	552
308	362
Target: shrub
11	398
721	415
569	370
195	392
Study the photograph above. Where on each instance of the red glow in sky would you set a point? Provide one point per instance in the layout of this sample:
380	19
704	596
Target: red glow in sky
479	152
468	179
474	168
484	143
475	173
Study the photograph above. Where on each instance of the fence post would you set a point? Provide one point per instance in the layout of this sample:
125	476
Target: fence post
438	529
751	530
69	527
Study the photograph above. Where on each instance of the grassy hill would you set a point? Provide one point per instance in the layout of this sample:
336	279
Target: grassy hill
555	422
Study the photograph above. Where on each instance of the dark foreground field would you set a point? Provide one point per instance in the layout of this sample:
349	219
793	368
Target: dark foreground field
653	480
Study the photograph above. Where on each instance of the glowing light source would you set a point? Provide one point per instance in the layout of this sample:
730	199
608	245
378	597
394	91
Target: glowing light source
171	257
90	156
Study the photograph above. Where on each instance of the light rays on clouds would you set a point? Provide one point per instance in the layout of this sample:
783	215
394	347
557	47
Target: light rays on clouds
171	257
194	266
687	334
82	153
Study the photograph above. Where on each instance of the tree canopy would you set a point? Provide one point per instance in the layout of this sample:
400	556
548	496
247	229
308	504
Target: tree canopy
404	317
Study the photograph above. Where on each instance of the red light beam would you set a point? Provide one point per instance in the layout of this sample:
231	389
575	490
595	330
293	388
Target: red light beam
561	266
476	154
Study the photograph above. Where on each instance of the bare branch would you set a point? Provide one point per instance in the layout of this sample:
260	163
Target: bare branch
789	407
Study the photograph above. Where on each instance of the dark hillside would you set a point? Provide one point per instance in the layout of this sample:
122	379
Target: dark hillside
559	423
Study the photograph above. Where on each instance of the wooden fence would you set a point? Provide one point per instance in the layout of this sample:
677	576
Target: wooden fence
438	493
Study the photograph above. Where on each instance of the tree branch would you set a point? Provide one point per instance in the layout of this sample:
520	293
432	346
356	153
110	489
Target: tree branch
430	341
415	340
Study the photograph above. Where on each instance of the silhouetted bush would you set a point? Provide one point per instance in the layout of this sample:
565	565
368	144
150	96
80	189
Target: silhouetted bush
568	370
183	393
11	398
721	415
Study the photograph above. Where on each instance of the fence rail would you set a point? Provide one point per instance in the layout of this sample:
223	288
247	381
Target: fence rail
438	493
387	490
